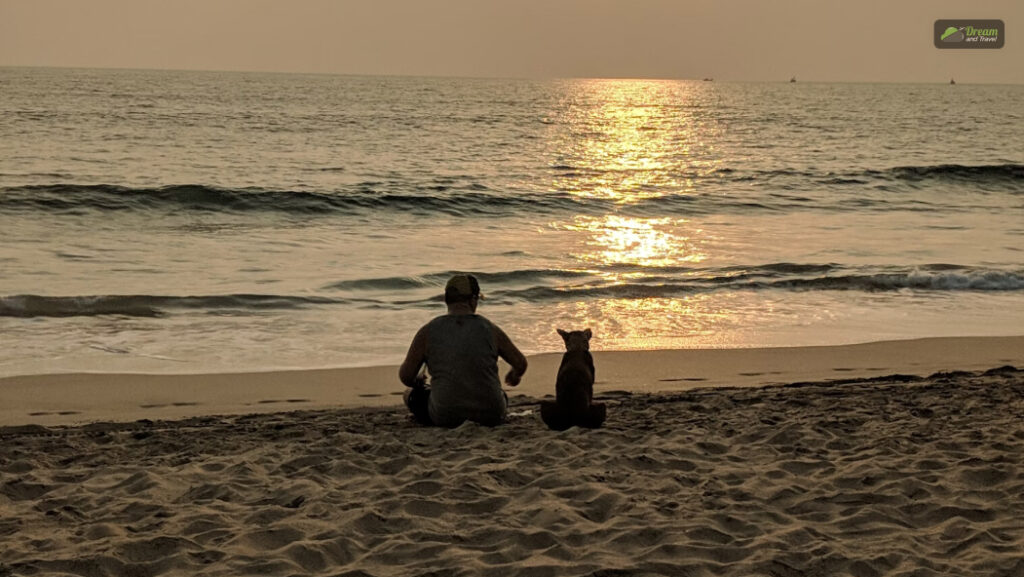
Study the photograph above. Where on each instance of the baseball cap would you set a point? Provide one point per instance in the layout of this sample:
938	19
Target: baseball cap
463	285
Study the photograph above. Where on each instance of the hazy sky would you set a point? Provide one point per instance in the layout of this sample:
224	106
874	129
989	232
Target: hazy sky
849	40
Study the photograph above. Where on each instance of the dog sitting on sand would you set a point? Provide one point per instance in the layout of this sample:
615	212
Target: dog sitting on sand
574	387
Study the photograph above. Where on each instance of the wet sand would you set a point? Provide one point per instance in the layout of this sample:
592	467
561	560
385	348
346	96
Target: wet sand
64	399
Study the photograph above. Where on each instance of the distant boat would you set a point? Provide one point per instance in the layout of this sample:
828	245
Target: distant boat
709	80
951	81
793	79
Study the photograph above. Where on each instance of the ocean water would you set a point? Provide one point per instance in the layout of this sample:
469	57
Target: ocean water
201	221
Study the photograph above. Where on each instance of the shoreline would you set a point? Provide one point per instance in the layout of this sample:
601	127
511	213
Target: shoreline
79	398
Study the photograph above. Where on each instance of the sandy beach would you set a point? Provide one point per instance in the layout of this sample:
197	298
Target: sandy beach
886	459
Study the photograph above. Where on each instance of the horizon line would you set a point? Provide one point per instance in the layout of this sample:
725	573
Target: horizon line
498	77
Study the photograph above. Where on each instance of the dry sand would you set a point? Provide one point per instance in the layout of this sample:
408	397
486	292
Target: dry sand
885	476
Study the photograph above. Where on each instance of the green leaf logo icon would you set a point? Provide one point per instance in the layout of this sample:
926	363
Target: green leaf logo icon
952	34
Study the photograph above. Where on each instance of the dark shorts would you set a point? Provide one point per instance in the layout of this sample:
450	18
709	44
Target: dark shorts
418	400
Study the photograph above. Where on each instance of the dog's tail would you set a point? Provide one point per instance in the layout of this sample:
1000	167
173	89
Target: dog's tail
557	418
554	416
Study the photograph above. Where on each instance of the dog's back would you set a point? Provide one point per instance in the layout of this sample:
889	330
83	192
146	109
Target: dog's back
574	387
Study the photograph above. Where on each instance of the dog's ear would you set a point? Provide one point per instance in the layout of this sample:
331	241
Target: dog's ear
563	334
588	334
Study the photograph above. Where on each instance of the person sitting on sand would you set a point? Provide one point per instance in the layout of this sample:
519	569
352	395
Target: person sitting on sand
461	351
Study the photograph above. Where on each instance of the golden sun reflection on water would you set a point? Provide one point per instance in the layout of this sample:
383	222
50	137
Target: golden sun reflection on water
630	142
644	242
694	321
642	254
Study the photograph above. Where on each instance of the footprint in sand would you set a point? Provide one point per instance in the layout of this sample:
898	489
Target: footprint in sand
61	413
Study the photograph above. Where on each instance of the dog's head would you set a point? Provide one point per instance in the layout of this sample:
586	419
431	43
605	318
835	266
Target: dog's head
576	340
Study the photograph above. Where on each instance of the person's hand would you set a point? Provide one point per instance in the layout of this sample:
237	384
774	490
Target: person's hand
512	378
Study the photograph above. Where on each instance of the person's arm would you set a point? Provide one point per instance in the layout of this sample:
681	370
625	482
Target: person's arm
408	373
508	351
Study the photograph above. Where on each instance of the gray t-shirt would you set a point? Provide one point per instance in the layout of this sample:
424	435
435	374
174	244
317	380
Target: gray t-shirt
462	357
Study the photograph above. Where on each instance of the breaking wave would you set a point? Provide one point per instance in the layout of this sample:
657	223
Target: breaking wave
536	285
725	191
